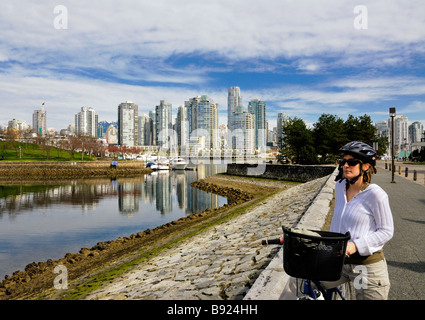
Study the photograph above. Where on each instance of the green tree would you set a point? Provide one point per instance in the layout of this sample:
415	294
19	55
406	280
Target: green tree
298	142
329	135
360	129
352	129
383	143
368	130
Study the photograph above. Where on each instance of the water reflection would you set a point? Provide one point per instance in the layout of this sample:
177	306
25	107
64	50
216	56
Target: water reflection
158	187
40	222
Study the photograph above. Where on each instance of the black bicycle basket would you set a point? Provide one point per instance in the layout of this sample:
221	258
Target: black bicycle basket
315	257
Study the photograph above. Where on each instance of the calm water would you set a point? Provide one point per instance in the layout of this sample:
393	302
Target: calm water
40	222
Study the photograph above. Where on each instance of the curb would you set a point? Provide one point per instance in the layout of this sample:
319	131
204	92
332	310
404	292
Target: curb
273	282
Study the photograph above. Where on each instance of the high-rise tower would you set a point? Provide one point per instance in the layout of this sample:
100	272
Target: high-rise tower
258	109
128	124
234	100
163	118
39	121
86	122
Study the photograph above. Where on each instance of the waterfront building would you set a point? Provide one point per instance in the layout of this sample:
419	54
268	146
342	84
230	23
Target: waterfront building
17	124
145	130
400	132
86	122
281	118
111	135
416	130
257	108
163	122
382	129
242	136
207	121
234	100
182	129
223	134
152	133
202	124
192	112
128	124
39	121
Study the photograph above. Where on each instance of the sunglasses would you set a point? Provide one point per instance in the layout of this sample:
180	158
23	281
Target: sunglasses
351	162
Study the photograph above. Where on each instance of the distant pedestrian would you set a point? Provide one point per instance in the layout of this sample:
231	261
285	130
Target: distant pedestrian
362	209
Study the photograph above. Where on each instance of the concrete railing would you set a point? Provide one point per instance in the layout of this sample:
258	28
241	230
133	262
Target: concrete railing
274	283
299	173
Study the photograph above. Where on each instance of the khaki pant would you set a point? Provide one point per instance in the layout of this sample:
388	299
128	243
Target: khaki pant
370	281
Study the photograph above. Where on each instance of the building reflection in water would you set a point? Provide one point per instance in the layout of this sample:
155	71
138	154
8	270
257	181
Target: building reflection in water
164	188
45	221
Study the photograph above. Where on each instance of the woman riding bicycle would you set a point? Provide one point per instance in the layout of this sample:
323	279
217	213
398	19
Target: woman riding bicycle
363	210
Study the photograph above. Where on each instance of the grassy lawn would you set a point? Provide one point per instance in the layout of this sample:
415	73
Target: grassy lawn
34	152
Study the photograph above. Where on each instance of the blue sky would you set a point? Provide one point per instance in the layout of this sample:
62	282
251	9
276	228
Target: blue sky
304	58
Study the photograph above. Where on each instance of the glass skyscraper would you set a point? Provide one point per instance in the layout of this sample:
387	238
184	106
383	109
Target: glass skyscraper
39	121
234	100
128	124
258	109
207	115
163	119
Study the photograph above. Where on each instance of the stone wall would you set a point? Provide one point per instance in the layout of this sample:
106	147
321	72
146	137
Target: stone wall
41	170
299	173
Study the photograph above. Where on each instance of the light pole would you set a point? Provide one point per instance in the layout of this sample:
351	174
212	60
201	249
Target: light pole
392	115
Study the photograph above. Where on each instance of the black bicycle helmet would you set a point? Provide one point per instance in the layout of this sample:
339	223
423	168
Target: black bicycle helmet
361	151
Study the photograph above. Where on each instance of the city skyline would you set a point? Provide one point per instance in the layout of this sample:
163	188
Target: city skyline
304	59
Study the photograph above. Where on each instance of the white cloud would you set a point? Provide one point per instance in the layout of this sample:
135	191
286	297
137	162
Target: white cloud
20	96
137	42
234	29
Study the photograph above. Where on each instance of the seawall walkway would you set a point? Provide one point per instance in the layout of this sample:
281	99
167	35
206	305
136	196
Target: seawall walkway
405	252
221	262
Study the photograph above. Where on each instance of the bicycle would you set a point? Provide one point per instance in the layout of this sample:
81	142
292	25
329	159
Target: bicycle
313	256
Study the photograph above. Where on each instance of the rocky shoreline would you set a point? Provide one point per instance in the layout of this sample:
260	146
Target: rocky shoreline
36	280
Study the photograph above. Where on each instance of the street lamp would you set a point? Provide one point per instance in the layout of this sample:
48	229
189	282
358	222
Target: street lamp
392	115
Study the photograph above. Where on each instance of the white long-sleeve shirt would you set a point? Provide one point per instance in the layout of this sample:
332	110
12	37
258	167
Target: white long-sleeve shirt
367	216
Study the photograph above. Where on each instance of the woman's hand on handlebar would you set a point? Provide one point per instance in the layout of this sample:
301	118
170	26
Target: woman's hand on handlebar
351	248
272	241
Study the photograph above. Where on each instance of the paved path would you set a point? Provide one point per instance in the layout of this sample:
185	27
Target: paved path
221	262
419	168
405	253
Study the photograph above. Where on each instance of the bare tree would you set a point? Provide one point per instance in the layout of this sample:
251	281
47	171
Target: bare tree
11	135
72	144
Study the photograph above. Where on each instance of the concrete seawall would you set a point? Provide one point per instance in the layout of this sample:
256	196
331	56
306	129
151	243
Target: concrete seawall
298	173
42	170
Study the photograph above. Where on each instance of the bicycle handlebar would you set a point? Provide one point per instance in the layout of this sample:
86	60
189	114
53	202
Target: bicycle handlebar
272	241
